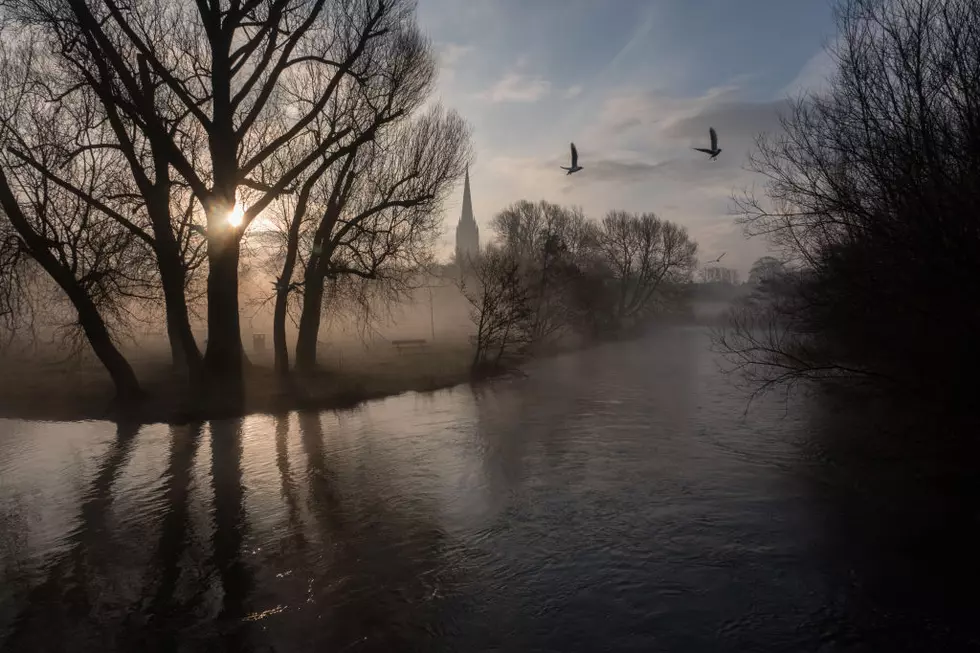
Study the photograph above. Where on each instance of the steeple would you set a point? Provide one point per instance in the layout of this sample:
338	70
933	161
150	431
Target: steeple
467	231
467	213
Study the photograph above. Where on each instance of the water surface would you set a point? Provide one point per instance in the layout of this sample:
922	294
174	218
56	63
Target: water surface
617	499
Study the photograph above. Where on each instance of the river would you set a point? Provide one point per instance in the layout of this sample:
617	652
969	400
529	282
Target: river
616	499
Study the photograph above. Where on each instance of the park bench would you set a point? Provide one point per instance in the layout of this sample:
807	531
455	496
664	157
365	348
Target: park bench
411	343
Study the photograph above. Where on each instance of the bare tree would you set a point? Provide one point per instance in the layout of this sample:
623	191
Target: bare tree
766	268
162	218
376	103
767	341
594	278
551	241
643	254
378	218
149	203
872	189
500	307
251	76
97	265
15	275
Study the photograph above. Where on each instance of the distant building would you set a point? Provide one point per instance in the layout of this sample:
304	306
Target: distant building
467	233
715	274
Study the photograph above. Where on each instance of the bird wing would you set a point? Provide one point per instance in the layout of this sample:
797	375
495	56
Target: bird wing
701	149
574	156
714	138
722	254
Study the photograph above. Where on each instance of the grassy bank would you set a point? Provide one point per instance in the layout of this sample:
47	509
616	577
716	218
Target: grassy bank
61	391
55	390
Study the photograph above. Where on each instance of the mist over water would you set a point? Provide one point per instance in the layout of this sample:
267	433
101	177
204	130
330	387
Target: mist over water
613	499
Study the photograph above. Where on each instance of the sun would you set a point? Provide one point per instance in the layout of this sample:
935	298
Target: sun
237	216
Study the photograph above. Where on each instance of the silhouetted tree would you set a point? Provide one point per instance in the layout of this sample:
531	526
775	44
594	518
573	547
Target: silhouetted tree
550	241
765	269
384	185
378	219
249	80
15	302
140	195
872	193
500	307
595	280
643	253
96	263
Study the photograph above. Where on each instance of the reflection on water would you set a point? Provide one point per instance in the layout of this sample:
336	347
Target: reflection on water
616	499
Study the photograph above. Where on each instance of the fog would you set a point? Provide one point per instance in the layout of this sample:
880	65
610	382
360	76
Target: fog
435	311
244	408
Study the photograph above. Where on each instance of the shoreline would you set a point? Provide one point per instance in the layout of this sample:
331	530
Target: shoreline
55	392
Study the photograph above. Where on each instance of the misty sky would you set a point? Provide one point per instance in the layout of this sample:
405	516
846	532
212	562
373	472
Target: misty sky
635	84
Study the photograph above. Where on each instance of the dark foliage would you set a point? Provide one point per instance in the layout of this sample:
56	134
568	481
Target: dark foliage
873	195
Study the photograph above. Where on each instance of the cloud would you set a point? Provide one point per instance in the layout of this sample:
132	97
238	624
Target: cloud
640	140
738	121
618	171
450	55
641	116
692	192
640	144
517	87
640	35
573	91
634	144
814	76
728	237
655	126
614	167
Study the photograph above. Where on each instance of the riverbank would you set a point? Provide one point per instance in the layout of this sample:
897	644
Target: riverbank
57	391
60	391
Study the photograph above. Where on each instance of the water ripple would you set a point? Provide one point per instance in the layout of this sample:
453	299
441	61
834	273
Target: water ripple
613	499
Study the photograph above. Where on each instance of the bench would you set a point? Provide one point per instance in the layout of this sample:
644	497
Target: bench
413	343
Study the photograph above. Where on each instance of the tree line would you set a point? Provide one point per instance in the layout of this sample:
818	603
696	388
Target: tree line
873	190
144	144
551	274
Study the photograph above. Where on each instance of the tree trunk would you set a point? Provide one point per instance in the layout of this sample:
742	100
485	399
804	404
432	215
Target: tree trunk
123	378
183	348
122	374
309	322
279	346
173	276
223	360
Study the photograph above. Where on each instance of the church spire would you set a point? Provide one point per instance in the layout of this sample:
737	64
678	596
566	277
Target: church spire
467	214
467	232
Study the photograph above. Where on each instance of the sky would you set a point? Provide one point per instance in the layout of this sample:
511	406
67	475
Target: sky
635	84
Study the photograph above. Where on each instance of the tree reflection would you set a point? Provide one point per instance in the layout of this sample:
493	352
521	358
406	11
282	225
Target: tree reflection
369	568
167	614
289	489
62	612
384	556
229	532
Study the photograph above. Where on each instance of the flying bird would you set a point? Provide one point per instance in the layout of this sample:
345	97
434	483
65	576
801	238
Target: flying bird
714	151
718	260
575	166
